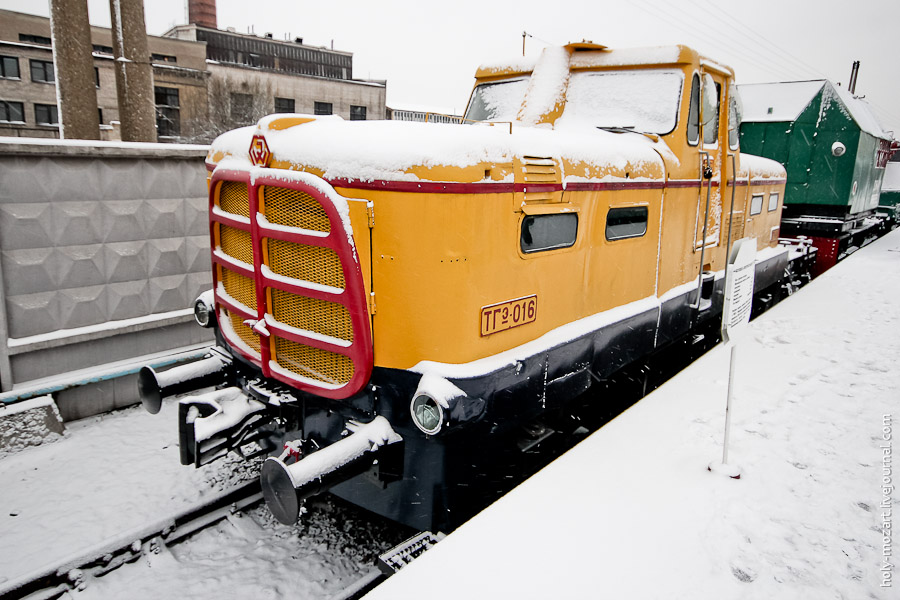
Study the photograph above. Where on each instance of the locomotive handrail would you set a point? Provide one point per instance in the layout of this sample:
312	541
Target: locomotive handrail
731	210
705	173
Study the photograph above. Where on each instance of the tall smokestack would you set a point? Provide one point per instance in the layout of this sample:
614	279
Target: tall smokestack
74	66
854	73
134	75
202	13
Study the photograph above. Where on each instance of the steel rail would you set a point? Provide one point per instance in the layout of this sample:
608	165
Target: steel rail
71	572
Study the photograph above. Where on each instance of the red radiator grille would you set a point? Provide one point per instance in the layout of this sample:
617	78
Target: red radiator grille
317	336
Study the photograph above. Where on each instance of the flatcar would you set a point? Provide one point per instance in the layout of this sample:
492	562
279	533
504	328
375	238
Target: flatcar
396	303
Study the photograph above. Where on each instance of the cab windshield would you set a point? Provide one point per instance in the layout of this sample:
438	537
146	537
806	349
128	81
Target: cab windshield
645	101
498	101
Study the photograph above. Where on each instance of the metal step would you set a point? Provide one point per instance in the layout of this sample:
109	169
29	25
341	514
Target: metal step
405	552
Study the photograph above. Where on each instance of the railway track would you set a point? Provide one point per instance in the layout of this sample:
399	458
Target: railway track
75	571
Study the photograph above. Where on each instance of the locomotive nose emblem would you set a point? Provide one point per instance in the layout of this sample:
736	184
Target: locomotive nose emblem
259	151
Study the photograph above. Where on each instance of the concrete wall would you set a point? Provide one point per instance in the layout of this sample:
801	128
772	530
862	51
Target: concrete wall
103	249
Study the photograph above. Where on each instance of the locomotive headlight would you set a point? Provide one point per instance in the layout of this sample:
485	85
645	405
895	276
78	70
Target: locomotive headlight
427	414
203	309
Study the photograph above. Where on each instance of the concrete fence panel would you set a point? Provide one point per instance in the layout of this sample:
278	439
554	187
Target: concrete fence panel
103	248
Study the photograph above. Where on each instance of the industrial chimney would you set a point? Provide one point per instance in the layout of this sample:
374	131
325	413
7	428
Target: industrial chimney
854	73
202	13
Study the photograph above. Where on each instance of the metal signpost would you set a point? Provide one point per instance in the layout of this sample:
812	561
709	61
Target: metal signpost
739	278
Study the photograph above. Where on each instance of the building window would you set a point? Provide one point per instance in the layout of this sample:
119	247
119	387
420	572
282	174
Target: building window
284	105
166	58
12	112
34	39
357	113
103	49
548	232
97	77
168	116
773	201
323	108
46	114
42	71
756	204
242	108
9	67
100	114
627	222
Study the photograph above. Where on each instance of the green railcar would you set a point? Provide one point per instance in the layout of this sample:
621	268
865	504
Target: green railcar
889	203
835	153
832	146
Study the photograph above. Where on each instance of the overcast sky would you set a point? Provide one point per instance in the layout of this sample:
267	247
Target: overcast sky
428	51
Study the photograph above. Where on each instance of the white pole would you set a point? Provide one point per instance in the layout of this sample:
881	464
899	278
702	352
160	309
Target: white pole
728	403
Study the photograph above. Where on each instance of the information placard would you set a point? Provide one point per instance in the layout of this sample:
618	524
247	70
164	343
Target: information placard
739	278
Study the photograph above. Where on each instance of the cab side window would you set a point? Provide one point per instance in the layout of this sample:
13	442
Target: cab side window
626	222
548	232
712	93
693	125
735	115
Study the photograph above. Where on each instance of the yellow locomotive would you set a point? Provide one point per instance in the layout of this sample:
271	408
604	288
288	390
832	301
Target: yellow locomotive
394	300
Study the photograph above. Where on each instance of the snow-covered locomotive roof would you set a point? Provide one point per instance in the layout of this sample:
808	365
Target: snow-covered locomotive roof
587	56
387	150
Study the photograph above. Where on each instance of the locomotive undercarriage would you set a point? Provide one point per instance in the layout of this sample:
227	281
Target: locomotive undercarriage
503	426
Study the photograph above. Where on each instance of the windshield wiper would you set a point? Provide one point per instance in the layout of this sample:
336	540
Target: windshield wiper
630	129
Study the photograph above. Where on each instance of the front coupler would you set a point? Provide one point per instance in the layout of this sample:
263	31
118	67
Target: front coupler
209	425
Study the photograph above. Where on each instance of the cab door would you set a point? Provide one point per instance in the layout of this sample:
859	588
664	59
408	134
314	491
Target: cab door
734	196
711	159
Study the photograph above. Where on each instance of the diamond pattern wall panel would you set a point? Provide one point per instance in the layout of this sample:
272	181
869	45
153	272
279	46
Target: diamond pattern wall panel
83	306
32	314
123	179
77	223
163	218
30	271
128	299
196	255
81	266
196	220
198	283
123	221
166	256
169	293
26	225
126	261
88	240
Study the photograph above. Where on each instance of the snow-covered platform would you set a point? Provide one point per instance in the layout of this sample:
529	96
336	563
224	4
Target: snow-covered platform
633	512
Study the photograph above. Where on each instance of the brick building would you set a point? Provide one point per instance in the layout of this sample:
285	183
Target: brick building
205	80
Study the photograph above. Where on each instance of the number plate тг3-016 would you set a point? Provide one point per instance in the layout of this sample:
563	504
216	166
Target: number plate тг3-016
509	314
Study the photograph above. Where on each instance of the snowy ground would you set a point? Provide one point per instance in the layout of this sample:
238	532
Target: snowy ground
119	471
632	512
